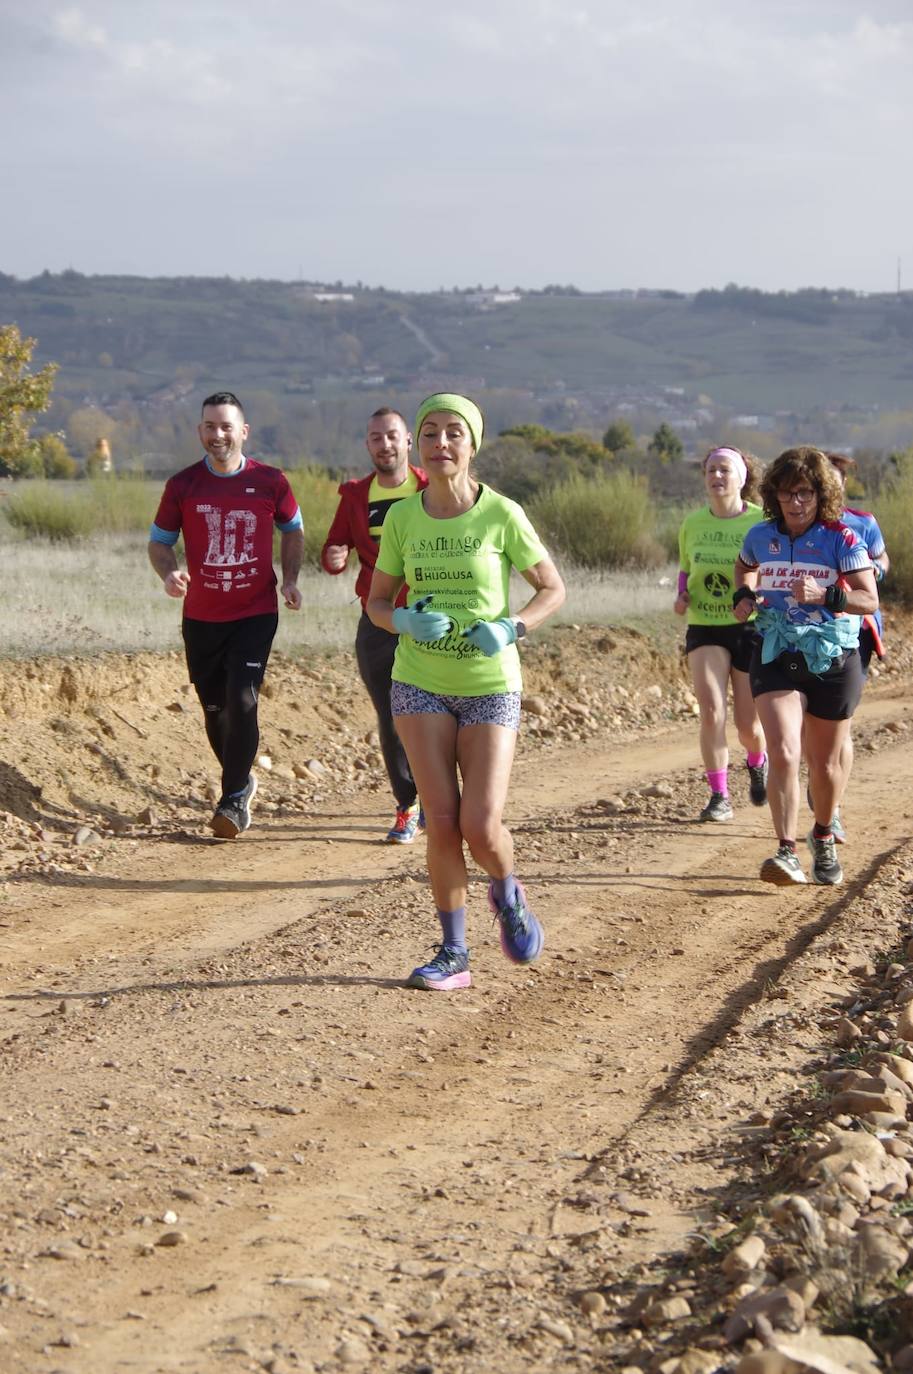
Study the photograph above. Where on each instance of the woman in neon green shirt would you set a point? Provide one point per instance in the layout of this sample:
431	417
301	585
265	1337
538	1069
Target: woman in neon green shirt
717	645
455	695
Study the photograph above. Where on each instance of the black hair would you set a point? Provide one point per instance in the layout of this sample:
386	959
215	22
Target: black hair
222	398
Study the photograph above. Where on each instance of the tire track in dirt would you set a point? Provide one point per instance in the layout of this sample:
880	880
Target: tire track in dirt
434	1157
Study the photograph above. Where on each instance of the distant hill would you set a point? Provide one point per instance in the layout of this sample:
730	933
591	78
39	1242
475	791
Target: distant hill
154	342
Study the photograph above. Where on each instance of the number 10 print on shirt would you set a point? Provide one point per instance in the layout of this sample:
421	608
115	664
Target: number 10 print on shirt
228	529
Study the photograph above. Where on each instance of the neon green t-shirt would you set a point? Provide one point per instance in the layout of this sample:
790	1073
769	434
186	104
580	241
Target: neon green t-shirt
708	547
465	562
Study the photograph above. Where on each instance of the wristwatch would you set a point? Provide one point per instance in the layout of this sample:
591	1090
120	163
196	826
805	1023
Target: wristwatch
519	627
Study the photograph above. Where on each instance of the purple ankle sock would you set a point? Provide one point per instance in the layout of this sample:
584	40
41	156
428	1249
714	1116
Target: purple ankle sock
504	890
453	925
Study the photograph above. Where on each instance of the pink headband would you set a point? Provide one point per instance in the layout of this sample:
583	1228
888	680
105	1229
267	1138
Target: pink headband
735	458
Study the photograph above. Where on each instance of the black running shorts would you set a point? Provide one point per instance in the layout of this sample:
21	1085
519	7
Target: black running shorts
223	651
833	695
737	640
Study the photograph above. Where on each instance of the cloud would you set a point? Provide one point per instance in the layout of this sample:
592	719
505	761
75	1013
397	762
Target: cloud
585	137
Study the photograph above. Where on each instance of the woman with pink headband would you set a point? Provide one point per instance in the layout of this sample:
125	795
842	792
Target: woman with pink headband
717	644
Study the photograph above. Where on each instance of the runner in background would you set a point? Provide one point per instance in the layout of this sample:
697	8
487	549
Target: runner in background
816	581
363	506
226	507
718	645
863	524
456	678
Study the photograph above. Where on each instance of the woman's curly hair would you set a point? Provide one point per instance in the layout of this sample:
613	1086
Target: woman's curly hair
797	467
749	490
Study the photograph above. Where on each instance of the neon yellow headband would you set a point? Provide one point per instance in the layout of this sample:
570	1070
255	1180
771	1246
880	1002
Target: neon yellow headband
453	404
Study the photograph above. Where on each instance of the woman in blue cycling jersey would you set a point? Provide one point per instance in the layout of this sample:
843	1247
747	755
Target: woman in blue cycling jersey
810	579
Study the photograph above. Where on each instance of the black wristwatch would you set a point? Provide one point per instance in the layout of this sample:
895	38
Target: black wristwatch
519	627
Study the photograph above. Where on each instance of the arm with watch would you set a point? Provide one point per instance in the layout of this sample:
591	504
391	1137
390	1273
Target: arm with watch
853	592
493	636
745	597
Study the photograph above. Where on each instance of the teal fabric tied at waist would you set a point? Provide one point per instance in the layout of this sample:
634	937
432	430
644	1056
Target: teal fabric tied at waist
820	644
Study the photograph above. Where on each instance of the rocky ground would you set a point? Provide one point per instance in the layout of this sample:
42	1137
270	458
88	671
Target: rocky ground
233	1140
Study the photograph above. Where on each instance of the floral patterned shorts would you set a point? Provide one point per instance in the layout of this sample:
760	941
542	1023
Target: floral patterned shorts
500	708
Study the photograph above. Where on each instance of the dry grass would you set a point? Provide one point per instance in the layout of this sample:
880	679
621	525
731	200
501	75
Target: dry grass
601	598
102	596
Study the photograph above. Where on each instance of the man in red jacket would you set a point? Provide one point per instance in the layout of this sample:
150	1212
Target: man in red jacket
357	524
226	507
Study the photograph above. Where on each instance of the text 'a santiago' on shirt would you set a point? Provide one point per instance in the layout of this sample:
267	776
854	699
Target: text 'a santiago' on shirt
465	563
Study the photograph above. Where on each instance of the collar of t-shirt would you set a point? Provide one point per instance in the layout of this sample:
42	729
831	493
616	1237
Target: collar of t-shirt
234	473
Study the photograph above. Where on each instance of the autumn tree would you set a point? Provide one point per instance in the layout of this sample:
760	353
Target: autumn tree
23	395
56	460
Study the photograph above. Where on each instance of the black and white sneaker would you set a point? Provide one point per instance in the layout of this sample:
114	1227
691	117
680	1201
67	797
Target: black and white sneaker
757	784
232	815
783	869
719	808
825	864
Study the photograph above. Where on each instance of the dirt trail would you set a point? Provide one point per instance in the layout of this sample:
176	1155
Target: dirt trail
233	1141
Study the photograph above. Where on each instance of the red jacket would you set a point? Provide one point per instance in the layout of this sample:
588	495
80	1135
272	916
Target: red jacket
350	526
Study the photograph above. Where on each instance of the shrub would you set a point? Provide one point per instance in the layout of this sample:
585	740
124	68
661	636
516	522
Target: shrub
669	522
894	510
40	511
56	462
603	522
317	495
58	512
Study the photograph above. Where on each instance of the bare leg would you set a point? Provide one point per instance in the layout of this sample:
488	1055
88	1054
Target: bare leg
846	762
486	755
780	714
825	742
710	666
745	714
430	741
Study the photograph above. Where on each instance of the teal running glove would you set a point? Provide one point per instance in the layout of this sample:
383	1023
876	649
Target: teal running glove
491	636
415	620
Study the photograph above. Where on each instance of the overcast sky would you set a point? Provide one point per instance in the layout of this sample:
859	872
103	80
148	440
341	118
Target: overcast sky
413	144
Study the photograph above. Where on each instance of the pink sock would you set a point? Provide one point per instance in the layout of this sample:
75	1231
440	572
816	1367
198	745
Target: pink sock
718	778
755	760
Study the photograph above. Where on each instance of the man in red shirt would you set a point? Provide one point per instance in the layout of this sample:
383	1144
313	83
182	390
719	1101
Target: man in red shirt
226	506
357	524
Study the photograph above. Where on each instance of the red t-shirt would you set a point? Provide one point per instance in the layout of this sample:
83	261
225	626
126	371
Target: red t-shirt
227	523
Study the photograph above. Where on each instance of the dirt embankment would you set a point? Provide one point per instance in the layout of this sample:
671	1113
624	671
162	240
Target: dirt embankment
233	1140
